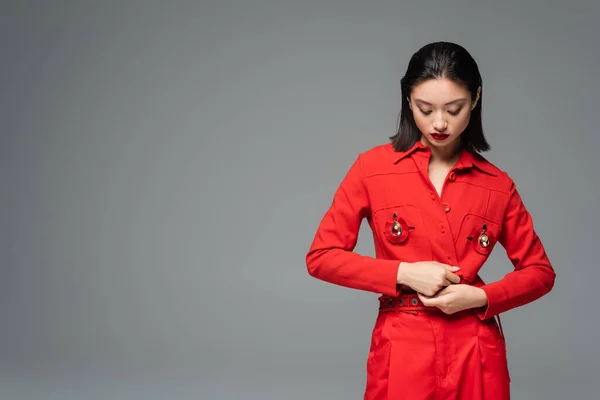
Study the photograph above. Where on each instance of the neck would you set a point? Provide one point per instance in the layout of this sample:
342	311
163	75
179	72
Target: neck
446	155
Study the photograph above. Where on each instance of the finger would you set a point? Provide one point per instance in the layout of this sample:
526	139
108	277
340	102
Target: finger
424	299
449	267
447	283
428	301
452	277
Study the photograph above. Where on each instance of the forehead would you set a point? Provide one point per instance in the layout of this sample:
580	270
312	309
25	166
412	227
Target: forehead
439	91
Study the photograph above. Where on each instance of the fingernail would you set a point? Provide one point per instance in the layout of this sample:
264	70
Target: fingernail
455	268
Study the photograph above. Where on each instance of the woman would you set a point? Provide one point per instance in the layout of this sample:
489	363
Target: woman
437	208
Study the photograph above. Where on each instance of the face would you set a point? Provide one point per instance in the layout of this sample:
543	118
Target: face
442	110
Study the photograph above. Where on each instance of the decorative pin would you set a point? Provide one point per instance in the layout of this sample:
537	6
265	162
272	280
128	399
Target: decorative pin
484	239
396	227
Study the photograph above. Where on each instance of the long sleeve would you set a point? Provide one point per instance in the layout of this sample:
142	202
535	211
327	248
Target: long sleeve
331	257
533	275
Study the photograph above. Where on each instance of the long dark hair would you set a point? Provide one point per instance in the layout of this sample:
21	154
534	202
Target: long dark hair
433	61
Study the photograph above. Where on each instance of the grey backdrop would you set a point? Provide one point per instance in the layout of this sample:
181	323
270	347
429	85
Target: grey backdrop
164	167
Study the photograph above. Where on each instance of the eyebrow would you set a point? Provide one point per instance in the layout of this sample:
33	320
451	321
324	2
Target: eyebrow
447	104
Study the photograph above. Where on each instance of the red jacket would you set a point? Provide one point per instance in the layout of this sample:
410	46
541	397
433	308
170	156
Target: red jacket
478	199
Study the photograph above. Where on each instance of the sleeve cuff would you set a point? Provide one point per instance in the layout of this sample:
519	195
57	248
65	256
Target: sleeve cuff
496	299
389	279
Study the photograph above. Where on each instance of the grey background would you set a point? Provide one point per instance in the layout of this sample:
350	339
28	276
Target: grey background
164	167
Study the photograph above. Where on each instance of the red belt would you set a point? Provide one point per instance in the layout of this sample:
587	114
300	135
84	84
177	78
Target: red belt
404	302
410	302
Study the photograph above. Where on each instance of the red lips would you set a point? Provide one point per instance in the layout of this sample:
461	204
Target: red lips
439	136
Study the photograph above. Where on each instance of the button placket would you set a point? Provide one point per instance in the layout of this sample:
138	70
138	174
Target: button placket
444	223
444	234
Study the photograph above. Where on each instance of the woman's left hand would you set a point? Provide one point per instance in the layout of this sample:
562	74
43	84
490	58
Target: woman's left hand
455	298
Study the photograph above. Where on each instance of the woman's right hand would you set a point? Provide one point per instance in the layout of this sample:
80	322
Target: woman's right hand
427	277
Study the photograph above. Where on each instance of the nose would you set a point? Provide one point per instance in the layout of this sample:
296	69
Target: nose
440	125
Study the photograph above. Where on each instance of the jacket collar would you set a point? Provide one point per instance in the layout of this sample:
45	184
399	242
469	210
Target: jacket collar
467	158
399	155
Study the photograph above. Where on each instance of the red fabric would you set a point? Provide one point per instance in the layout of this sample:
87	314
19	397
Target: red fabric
433	356
476	198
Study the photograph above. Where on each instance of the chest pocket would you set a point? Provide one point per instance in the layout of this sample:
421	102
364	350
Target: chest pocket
401	232
477	238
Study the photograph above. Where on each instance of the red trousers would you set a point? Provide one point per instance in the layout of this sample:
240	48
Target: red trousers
420	353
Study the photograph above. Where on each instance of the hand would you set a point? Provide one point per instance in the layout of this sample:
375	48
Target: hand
455	298
427	277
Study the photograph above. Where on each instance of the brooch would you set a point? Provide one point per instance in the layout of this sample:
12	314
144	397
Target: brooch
396	226
396	230
484	239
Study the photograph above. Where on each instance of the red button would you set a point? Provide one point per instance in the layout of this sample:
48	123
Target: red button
446	207
452	176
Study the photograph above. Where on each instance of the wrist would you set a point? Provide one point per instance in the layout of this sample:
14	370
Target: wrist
401	277
482	300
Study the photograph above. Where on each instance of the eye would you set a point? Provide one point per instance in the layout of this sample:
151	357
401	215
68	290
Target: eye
455	112
425	112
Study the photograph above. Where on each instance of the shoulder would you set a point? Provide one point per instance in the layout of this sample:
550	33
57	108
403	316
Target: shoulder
377	152
373	159
496	177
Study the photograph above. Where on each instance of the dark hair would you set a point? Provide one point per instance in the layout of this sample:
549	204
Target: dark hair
433	61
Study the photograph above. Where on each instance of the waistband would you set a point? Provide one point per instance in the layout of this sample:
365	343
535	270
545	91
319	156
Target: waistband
411	302
404	302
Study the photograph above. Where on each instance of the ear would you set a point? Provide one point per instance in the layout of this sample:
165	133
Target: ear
409	105
476	98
